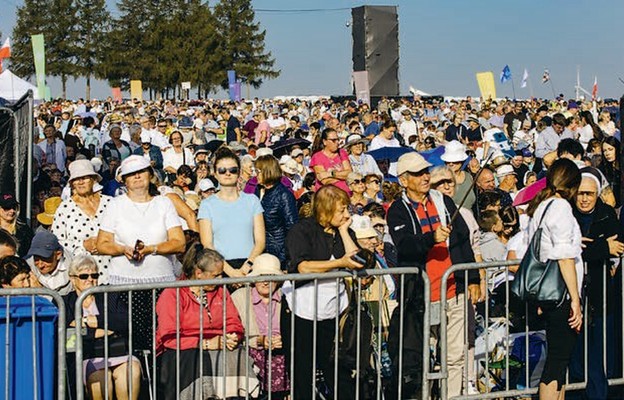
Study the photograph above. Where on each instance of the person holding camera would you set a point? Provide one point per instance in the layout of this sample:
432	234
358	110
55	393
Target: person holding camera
322	243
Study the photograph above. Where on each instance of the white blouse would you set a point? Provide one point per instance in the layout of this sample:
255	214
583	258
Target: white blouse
72	227
561	234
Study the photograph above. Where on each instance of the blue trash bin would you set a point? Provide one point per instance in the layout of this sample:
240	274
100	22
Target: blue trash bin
23	353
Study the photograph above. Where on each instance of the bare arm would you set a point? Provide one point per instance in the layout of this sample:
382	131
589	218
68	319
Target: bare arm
184	211
174	244
259	235
106	244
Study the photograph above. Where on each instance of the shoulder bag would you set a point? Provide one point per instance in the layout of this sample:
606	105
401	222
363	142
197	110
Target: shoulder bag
536	281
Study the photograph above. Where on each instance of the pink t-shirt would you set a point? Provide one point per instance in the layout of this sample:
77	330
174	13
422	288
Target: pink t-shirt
333	163
263	126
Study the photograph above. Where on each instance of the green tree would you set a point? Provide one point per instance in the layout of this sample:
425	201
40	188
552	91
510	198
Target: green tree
30	21
56	20
93	24
243	48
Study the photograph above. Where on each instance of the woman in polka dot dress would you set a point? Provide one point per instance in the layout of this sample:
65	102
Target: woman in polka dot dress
77	220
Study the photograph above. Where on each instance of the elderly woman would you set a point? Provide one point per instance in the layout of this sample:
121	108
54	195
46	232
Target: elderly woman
116	147
83	272
14	273
319	244
77	220
263	303
10	222
279	205
200	337
454	157
229	214
141	231
331	164
358	201
600	230
360	162
176	155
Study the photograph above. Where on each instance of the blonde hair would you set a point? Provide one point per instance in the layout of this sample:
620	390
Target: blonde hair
326	202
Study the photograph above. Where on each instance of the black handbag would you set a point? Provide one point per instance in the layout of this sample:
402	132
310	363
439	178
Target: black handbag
536	281
117	346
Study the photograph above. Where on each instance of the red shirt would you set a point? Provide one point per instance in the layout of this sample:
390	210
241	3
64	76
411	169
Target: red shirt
438	258
189	318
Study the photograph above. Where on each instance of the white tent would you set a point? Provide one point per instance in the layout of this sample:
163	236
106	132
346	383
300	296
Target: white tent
12	87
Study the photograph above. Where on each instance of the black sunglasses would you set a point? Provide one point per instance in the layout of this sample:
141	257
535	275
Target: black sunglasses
357	181
231	170
84	277
376	181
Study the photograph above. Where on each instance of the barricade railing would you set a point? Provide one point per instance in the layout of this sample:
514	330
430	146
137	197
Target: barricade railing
29	300
490	269
364	375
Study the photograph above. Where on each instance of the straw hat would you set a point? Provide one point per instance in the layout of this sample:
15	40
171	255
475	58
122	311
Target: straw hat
49	208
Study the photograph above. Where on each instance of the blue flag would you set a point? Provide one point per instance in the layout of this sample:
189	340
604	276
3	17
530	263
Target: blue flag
505	74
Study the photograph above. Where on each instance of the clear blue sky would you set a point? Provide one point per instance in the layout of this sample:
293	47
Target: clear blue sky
442	45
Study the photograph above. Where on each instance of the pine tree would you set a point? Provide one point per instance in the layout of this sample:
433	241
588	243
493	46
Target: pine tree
30	21
92	28
243	48
56	20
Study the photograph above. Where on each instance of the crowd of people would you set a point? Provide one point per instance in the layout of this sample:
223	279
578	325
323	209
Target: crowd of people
147	192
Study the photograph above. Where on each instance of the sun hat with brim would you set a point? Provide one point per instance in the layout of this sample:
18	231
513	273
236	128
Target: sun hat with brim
49	208
264	151
355	139
363	227
411	162
7	201
44	244
505	170
82	168
266	264
454	151
290	167
133	164
296	153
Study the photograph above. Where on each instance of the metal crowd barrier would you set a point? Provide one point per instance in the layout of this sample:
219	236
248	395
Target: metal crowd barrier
509	391
9	378
152	370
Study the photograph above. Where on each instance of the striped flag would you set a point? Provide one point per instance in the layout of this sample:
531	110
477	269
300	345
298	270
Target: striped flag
546	76
525	78
595	88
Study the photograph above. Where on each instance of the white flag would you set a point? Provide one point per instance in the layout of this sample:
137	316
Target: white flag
525	78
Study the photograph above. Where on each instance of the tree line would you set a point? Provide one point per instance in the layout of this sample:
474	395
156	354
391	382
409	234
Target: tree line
161	43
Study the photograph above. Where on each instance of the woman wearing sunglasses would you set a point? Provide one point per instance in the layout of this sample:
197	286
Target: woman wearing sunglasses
231	221
83	272
10	222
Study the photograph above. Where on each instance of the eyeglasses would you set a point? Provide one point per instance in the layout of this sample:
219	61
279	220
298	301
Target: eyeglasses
375	181
162	126
379	227
441	182
84	277
231	170
357	181
333	139
9	208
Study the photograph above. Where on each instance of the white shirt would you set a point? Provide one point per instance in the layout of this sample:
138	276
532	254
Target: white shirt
378	142
175	160
561	234
149	222
326	301
407	129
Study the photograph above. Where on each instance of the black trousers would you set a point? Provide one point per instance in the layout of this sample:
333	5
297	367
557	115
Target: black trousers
302	380
561	340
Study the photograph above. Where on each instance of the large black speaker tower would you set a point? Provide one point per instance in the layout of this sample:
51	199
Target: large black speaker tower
376	47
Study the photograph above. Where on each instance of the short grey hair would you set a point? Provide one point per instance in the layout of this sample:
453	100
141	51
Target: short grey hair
80	263
246	159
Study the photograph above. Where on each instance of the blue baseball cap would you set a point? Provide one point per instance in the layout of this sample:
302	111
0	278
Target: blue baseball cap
44	244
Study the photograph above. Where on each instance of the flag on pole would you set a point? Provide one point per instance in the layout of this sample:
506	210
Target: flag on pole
525	78
595	88
505	74
546	76
5	50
